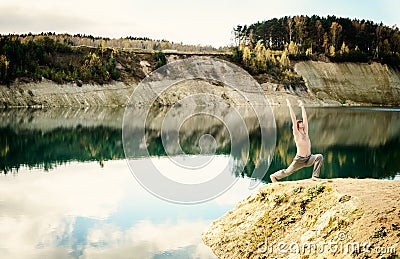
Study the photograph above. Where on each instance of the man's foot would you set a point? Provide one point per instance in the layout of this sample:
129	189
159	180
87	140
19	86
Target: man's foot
273	179
314	178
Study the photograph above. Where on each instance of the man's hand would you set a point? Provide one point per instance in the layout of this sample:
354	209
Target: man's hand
300	102
288	102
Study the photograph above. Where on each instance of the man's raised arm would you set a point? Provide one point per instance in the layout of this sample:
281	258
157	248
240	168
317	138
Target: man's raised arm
304	115
292	115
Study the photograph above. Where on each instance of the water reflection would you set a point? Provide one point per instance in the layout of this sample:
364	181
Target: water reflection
84	211
355	142
90	206
359	143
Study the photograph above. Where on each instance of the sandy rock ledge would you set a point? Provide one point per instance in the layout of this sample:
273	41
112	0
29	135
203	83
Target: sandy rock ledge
338	218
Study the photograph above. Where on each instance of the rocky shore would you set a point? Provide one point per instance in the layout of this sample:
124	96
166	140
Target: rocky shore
338	218
327	84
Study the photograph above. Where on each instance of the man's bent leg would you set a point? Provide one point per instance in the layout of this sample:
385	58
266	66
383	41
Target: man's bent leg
293	167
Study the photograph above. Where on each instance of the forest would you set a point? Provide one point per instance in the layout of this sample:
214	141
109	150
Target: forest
78	58
266	49
263	45
57	61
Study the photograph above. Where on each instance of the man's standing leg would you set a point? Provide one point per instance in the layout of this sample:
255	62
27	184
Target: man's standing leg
317	161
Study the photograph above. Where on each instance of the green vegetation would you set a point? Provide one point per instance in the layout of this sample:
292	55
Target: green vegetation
130	42
318	38
297	190
278	199
380	233
311	194
46	58
266	65
161	60
83	58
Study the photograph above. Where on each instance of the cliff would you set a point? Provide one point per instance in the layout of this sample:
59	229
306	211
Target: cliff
348	83
327	84
49	94
339	218
132	66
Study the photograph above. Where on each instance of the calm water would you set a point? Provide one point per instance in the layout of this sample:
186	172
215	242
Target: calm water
66	190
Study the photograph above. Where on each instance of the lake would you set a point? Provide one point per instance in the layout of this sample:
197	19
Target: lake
66	190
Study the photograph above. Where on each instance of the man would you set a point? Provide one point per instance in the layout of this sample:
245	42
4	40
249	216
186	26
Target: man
303	156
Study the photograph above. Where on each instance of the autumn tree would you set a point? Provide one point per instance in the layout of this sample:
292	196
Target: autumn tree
332	51
261	57
4	64
336	29
246	56
284	59
293	48
344	49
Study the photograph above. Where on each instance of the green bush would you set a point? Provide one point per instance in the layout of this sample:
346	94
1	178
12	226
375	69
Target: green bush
161	60
352	56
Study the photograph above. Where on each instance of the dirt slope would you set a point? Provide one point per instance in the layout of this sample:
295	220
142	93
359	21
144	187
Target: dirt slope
338	218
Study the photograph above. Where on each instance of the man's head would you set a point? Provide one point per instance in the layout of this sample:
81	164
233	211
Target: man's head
300	124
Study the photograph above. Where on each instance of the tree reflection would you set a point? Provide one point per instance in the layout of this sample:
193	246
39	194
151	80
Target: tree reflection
350	148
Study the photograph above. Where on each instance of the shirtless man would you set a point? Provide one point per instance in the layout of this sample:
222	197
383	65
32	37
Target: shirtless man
303	156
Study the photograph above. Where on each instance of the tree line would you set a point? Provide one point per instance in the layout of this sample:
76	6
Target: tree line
129	42
74	58
315	37
54	60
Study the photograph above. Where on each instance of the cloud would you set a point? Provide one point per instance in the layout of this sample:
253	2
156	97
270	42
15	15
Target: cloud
16	19
100	212
81	191
199	22
147	238
36	208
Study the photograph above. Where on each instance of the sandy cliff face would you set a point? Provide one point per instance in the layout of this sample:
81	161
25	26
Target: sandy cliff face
49	94
328	84
363	83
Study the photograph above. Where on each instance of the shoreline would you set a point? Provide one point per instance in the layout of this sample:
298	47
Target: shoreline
47	94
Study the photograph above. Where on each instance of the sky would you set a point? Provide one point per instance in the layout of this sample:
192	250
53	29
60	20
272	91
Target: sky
205	22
